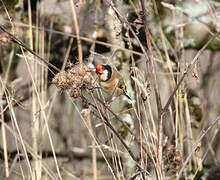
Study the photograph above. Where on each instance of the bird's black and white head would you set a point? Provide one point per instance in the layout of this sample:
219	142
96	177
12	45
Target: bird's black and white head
104	71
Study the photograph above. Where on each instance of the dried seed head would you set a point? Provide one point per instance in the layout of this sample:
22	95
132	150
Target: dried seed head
83	70
172	159
75	92
74	80
61	81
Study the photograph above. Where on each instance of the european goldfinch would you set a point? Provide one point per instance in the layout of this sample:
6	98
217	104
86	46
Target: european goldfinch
111	81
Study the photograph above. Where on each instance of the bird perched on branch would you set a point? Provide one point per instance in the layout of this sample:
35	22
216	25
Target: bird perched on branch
111	81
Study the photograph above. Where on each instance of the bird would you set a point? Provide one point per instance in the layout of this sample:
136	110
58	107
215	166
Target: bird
111	81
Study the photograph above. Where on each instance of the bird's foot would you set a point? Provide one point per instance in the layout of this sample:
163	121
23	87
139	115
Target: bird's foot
109	101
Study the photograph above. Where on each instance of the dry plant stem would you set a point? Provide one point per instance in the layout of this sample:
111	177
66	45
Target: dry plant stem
203	133
34	105
210	143
115	160
123	143
68	51
116	133
19	152
14	162
45	154
95	140
4	82
2	89
118	162
137	140
76	25
43	116
53	99
10	19
70	174
120	120
4	147
151	141
30	151
149	39
13	117
94	155
83	39
124	21
158	100
16	102
135	175
18	42
188	68
4	142
19	138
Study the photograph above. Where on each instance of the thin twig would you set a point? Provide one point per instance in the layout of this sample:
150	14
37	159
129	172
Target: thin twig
123	20
155	86
148	39
106	44
204	132
20	43
188	68
49	154
76	25
106	121
120	120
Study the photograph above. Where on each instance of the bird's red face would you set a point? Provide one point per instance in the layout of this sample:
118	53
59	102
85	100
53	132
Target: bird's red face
104	71
99	69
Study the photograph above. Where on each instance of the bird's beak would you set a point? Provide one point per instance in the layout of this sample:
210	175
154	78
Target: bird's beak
91	67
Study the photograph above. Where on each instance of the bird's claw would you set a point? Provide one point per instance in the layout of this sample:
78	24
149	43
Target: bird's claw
109	101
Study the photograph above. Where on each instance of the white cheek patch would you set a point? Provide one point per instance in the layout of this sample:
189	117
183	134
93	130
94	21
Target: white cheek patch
104	76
